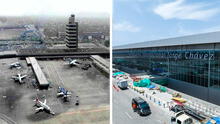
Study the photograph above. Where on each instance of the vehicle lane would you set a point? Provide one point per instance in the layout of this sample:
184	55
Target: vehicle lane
123	113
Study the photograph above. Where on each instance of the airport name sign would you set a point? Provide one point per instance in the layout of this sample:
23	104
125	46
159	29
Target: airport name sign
177	55
192	55
204	56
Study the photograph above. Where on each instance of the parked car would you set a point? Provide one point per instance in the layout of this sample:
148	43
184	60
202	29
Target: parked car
140	106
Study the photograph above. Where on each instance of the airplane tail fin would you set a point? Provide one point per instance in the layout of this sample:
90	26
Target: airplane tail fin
45	101
68	95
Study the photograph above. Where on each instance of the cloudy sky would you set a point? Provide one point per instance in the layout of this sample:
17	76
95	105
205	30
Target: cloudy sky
144	20
53	7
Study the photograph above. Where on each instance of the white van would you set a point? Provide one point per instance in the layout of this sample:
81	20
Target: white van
122	84
181	118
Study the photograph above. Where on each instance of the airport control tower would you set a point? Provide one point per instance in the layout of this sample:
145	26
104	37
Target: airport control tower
72	33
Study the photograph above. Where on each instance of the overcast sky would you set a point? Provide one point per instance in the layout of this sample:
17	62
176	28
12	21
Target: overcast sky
53	7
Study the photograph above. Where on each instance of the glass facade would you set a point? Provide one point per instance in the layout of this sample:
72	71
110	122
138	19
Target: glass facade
199	67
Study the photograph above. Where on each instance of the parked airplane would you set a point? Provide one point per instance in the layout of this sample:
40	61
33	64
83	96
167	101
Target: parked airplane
15	65
63	92
73	62
19	78
42	106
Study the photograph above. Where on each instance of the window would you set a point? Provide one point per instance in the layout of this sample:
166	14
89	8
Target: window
189	121
178	122
195	71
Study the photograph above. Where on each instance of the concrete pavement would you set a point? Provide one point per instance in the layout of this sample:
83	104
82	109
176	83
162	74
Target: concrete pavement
123	113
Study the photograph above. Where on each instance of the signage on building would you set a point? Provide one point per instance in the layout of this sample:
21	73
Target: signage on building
177	55
192	55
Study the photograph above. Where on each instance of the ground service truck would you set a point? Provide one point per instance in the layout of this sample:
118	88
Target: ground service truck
182	118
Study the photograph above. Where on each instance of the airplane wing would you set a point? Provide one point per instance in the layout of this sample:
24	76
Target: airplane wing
15	63
76	63
23	76
61	93
45	101
12	64
40	108
69	93
18	67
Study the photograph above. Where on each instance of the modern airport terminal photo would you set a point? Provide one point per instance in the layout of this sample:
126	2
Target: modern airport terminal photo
165	62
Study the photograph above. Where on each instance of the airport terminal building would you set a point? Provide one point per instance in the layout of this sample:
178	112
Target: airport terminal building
191	63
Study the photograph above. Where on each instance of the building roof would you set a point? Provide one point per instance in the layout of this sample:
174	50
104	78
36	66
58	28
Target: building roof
139	99
8	53
212	37
42	80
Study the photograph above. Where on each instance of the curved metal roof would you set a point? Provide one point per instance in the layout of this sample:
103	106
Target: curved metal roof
212	37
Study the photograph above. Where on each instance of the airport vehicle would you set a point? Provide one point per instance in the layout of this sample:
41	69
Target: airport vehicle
15	65
19	78
181	118
42	106
186	115
140	106
122	84
63	92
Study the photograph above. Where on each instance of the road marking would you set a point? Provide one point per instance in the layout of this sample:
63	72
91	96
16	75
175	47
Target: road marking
128	115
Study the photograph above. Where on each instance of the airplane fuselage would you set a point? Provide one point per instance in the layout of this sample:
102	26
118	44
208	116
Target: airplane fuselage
45	106
19	78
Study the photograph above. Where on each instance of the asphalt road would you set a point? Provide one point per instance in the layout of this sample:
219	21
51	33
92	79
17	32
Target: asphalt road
123	113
